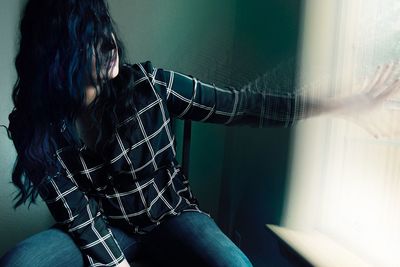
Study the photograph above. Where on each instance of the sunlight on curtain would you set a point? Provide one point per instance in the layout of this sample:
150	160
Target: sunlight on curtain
344	183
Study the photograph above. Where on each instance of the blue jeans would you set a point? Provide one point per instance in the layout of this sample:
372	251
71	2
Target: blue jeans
189	239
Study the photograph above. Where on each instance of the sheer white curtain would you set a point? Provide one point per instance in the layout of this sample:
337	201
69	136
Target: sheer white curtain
344	183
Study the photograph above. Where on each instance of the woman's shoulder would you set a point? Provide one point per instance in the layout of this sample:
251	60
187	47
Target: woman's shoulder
132	77
138	69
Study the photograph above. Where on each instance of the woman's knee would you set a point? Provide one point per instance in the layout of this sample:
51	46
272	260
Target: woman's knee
234	258
223	252
196	240
51	247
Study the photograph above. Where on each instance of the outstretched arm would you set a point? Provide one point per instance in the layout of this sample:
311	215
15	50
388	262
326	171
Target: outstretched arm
189	98
186	97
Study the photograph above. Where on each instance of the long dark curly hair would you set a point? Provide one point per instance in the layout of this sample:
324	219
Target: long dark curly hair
58	40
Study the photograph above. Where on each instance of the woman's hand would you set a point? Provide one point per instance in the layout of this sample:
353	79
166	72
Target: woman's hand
374	108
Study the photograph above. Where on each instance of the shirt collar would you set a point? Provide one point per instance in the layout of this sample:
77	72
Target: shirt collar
66	137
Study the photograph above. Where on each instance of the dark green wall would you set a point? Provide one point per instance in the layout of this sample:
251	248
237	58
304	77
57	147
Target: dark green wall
206	158
256	160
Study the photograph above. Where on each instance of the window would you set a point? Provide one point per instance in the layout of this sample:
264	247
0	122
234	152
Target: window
343	182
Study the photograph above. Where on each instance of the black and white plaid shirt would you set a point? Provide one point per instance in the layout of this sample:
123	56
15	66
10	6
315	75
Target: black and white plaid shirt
141	183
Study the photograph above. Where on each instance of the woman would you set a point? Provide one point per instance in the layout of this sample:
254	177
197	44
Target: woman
94	140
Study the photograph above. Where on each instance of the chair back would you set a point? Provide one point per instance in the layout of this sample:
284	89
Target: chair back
187	132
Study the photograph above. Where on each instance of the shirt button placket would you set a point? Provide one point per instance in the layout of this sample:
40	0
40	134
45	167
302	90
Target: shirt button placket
112	182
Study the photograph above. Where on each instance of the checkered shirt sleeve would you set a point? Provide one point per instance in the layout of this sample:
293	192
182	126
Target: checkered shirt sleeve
81	217
189	98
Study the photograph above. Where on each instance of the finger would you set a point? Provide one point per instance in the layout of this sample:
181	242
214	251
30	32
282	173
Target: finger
375	78
395	71
392	74
365	84
392	105
385	74
369	83
393	87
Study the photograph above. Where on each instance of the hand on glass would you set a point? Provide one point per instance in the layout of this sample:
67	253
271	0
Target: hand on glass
374	108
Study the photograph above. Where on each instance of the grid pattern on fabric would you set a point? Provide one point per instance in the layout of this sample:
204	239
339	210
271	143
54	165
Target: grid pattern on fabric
189	98
141	183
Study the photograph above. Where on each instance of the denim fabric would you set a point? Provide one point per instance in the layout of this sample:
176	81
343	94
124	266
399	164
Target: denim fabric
189	239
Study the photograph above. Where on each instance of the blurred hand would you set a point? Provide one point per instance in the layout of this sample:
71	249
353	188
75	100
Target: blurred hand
375	109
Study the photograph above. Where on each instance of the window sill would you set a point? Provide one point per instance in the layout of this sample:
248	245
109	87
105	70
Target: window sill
313	249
